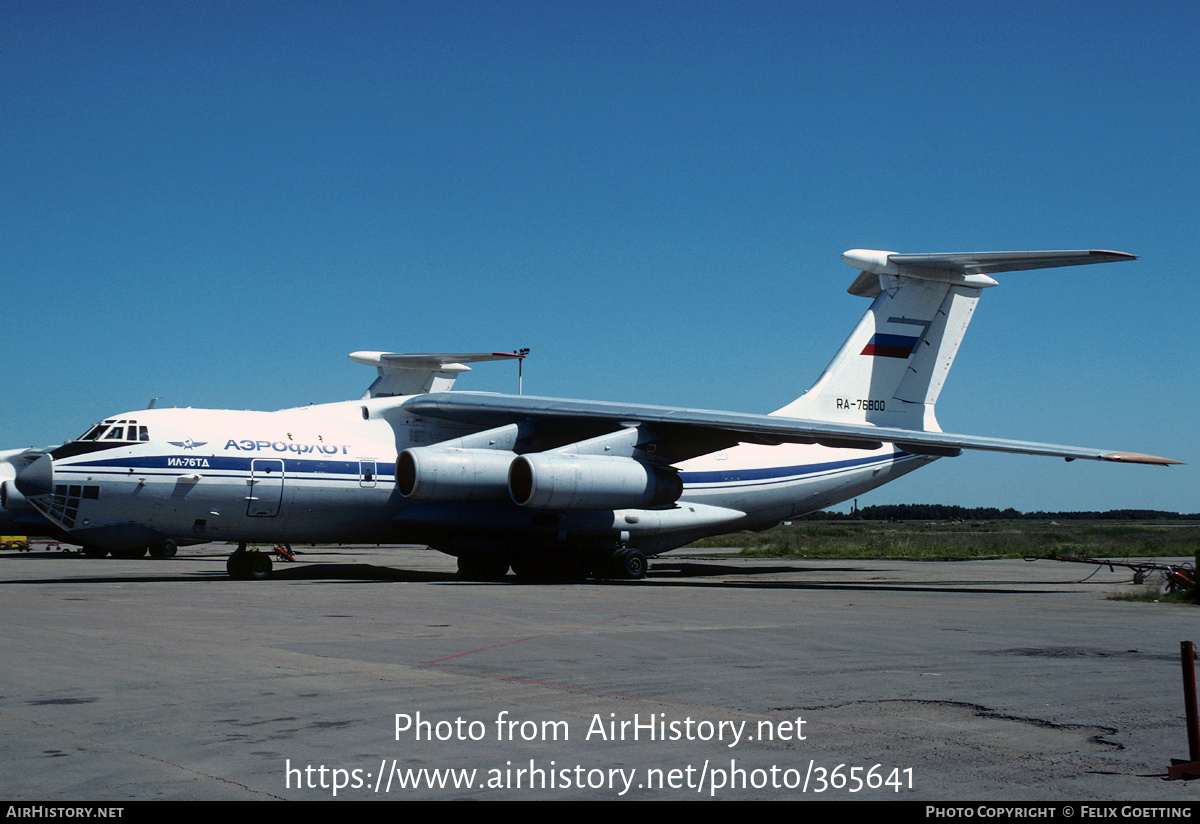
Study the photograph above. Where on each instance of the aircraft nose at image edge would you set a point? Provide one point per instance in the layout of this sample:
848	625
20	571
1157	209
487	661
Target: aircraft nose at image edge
37	478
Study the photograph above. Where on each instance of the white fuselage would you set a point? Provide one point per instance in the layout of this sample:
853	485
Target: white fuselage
327	474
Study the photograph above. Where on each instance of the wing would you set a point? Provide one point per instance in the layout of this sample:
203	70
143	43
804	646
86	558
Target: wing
686	433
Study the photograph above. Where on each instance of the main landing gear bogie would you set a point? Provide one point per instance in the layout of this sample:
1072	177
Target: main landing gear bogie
549	567
625	563
482	567
163	549
130	552
243	565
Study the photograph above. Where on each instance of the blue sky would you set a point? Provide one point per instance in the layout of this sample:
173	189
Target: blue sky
213	203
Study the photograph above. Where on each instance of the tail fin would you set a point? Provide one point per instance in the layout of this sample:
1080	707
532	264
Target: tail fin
891	369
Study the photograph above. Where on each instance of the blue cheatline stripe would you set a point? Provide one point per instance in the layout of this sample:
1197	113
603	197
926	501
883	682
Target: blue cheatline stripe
725	476
386	469
227	464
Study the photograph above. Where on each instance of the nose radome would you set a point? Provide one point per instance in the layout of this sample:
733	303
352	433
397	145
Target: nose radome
37	478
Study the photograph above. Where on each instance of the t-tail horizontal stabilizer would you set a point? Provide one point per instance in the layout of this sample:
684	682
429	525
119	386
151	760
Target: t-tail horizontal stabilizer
401	374
891	369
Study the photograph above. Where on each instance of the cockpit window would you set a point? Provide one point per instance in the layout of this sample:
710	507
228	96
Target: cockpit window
124	431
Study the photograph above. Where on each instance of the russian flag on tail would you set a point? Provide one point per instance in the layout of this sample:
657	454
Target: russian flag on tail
890	346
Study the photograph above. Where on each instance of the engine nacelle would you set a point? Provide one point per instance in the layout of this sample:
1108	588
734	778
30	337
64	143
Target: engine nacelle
10	498
554	480
430	473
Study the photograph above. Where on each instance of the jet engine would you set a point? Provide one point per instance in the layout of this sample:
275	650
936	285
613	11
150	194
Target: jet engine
556	480
10	498
430	473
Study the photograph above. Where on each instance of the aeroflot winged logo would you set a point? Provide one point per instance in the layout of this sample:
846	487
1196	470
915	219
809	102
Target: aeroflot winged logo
188	444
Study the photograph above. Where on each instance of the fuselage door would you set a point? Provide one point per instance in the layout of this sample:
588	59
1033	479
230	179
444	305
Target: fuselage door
266	488
366	473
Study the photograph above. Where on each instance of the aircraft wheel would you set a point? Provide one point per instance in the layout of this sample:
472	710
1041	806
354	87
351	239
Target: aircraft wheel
90	551
166	549
260	566
238	565
482	568
631	563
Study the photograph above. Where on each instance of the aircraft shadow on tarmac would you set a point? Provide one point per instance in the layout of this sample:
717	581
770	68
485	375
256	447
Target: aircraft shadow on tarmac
183	569
662	573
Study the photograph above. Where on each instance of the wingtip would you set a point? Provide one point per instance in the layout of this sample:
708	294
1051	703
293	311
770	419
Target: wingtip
1112	254
1138	457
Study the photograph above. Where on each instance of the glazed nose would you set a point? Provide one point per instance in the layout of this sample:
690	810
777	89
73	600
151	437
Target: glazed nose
36	479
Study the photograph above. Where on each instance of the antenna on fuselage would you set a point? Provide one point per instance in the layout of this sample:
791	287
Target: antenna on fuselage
152	402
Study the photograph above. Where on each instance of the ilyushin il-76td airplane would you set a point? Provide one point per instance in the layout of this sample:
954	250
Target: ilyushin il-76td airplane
540	485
